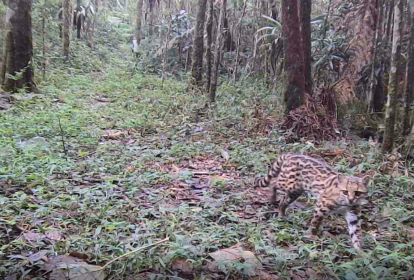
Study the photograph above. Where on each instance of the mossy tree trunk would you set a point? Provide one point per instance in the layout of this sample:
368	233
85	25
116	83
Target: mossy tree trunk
66	17
217	54
209	31
409	86
390	106
198	45
294	66
16	71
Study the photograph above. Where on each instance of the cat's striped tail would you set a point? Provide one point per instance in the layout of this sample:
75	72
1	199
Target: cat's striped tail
273	172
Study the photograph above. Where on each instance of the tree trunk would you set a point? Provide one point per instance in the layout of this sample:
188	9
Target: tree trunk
18	46
97	4
217	55
264	11
305	14
294	68
209	29
390	107
181	5
388	37
236	62
376	58
105	5
44	40
198	45
227	35
151	17
8	63
66	28
138	23
164	59
409	86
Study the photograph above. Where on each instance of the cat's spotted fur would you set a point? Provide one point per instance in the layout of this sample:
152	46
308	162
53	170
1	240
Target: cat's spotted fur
293	175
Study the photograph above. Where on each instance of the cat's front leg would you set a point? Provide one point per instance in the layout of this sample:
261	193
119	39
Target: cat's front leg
354	229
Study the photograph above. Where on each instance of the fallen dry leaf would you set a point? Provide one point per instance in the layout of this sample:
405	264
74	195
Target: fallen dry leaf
237	254
32	236
37	256
54	235
129	169
183	265
69	268
114	134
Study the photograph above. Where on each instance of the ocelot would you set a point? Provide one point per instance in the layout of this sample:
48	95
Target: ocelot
293	174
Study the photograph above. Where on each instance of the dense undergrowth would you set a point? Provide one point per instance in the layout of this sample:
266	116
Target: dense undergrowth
109	159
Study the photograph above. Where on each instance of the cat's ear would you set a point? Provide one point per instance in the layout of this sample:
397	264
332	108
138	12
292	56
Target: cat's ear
366	180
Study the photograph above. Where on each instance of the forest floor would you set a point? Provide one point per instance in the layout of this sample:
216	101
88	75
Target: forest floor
107	161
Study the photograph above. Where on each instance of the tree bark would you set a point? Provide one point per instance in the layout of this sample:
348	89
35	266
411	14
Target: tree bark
164	59
213	87
18	47
294	68
198	45
236	62
376	58
138	23
391	104
8	62
151	17
409	86
388	37
305	13
181	5
209	29
44	40
66	28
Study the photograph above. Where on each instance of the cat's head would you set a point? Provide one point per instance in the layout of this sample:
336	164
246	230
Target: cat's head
353	190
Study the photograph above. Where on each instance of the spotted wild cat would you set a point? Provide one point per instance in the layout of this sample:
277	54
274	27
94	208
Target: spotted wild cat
293	175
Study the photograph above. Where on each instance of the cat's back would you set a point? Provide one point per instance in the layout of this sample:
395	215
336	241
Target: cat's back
305	165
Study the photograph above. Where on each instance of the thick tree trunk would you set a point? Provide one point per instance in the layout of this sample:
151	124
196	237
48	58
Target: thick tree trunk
217	55
294	68
8	62
105	5
305	14
391	104
209	29
66	28
138	23
198	45
409	86
376	58
18	46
